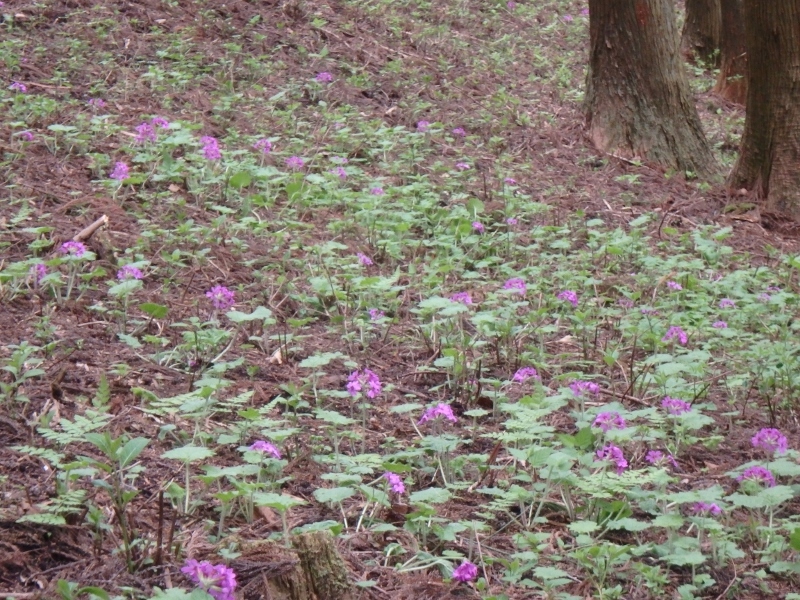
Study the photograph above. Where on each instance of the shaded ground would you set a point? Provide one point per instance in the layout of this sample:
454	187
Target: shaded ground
78	50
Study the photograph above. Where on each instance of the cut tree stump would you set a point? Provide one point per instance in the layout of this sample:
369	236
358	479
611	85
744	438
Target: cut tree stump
311	569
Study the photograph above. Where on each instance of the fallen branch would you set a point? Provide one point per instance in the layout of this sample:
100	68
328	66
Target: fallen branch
88	232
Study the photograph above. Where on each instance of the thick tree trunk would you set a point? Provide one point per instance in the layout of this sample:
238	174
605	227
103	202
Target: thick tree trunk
701	30
769	162
732	81
638	103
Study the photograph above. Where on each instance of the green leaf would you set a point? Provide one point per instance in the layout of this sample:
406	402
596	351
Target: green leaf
189	453
280	502
157	311
125	288
240	180
685	558
43	519
550	573
332	495
333	417
670	521
94	591
430	496
261	313
319	360
583	527
130	340
794	539
131	450
628	524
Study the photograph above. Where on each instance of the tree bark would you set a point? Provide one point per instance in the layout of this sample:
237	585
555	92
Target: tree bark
638	103
769	161
701	30
732	81
311	569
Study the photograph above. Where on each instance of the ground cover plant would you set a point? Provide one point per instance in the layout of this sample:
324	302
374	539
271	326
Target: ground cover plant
358	272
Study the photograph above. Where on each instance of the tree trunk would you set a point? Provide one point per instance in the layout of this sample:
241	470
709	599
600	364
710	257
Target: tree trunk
311	569
701	30
732	81
769	161
638	103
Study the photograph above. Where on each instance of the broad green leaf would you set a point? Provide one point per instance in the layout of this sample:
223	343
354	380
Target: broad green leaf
430	496
240	180
157	311
280	502
131	450
189	453
336	494
685	558
583	527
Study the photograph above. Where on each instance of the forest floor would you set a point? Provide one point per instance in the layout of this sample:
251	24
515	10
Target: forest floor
502	183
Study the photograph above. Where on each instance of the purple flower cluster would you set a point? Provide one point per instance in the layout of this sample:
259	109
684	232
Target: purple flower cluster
462	166
366	378
323	77
221	297
675	286
38	272
659	459
625	302
295	162
609	420
760	475
772	441
676	332
516	285
364	259
614	454
159	122
339	172
727	303
579	387
96	102
675	406
707	508
129	272
26	135
422	126
719	325
569	296
511	221
121	171
395	483
440	410
145	133
265	448
264	145
459	132
76	249
375	314
510	181
462	297
377	191
218	580
525	373
478	226
466	571
210	148
18	86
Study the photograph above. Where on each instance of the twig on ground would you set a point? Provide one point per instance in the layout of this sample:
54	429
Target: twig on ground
87	232
625	397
